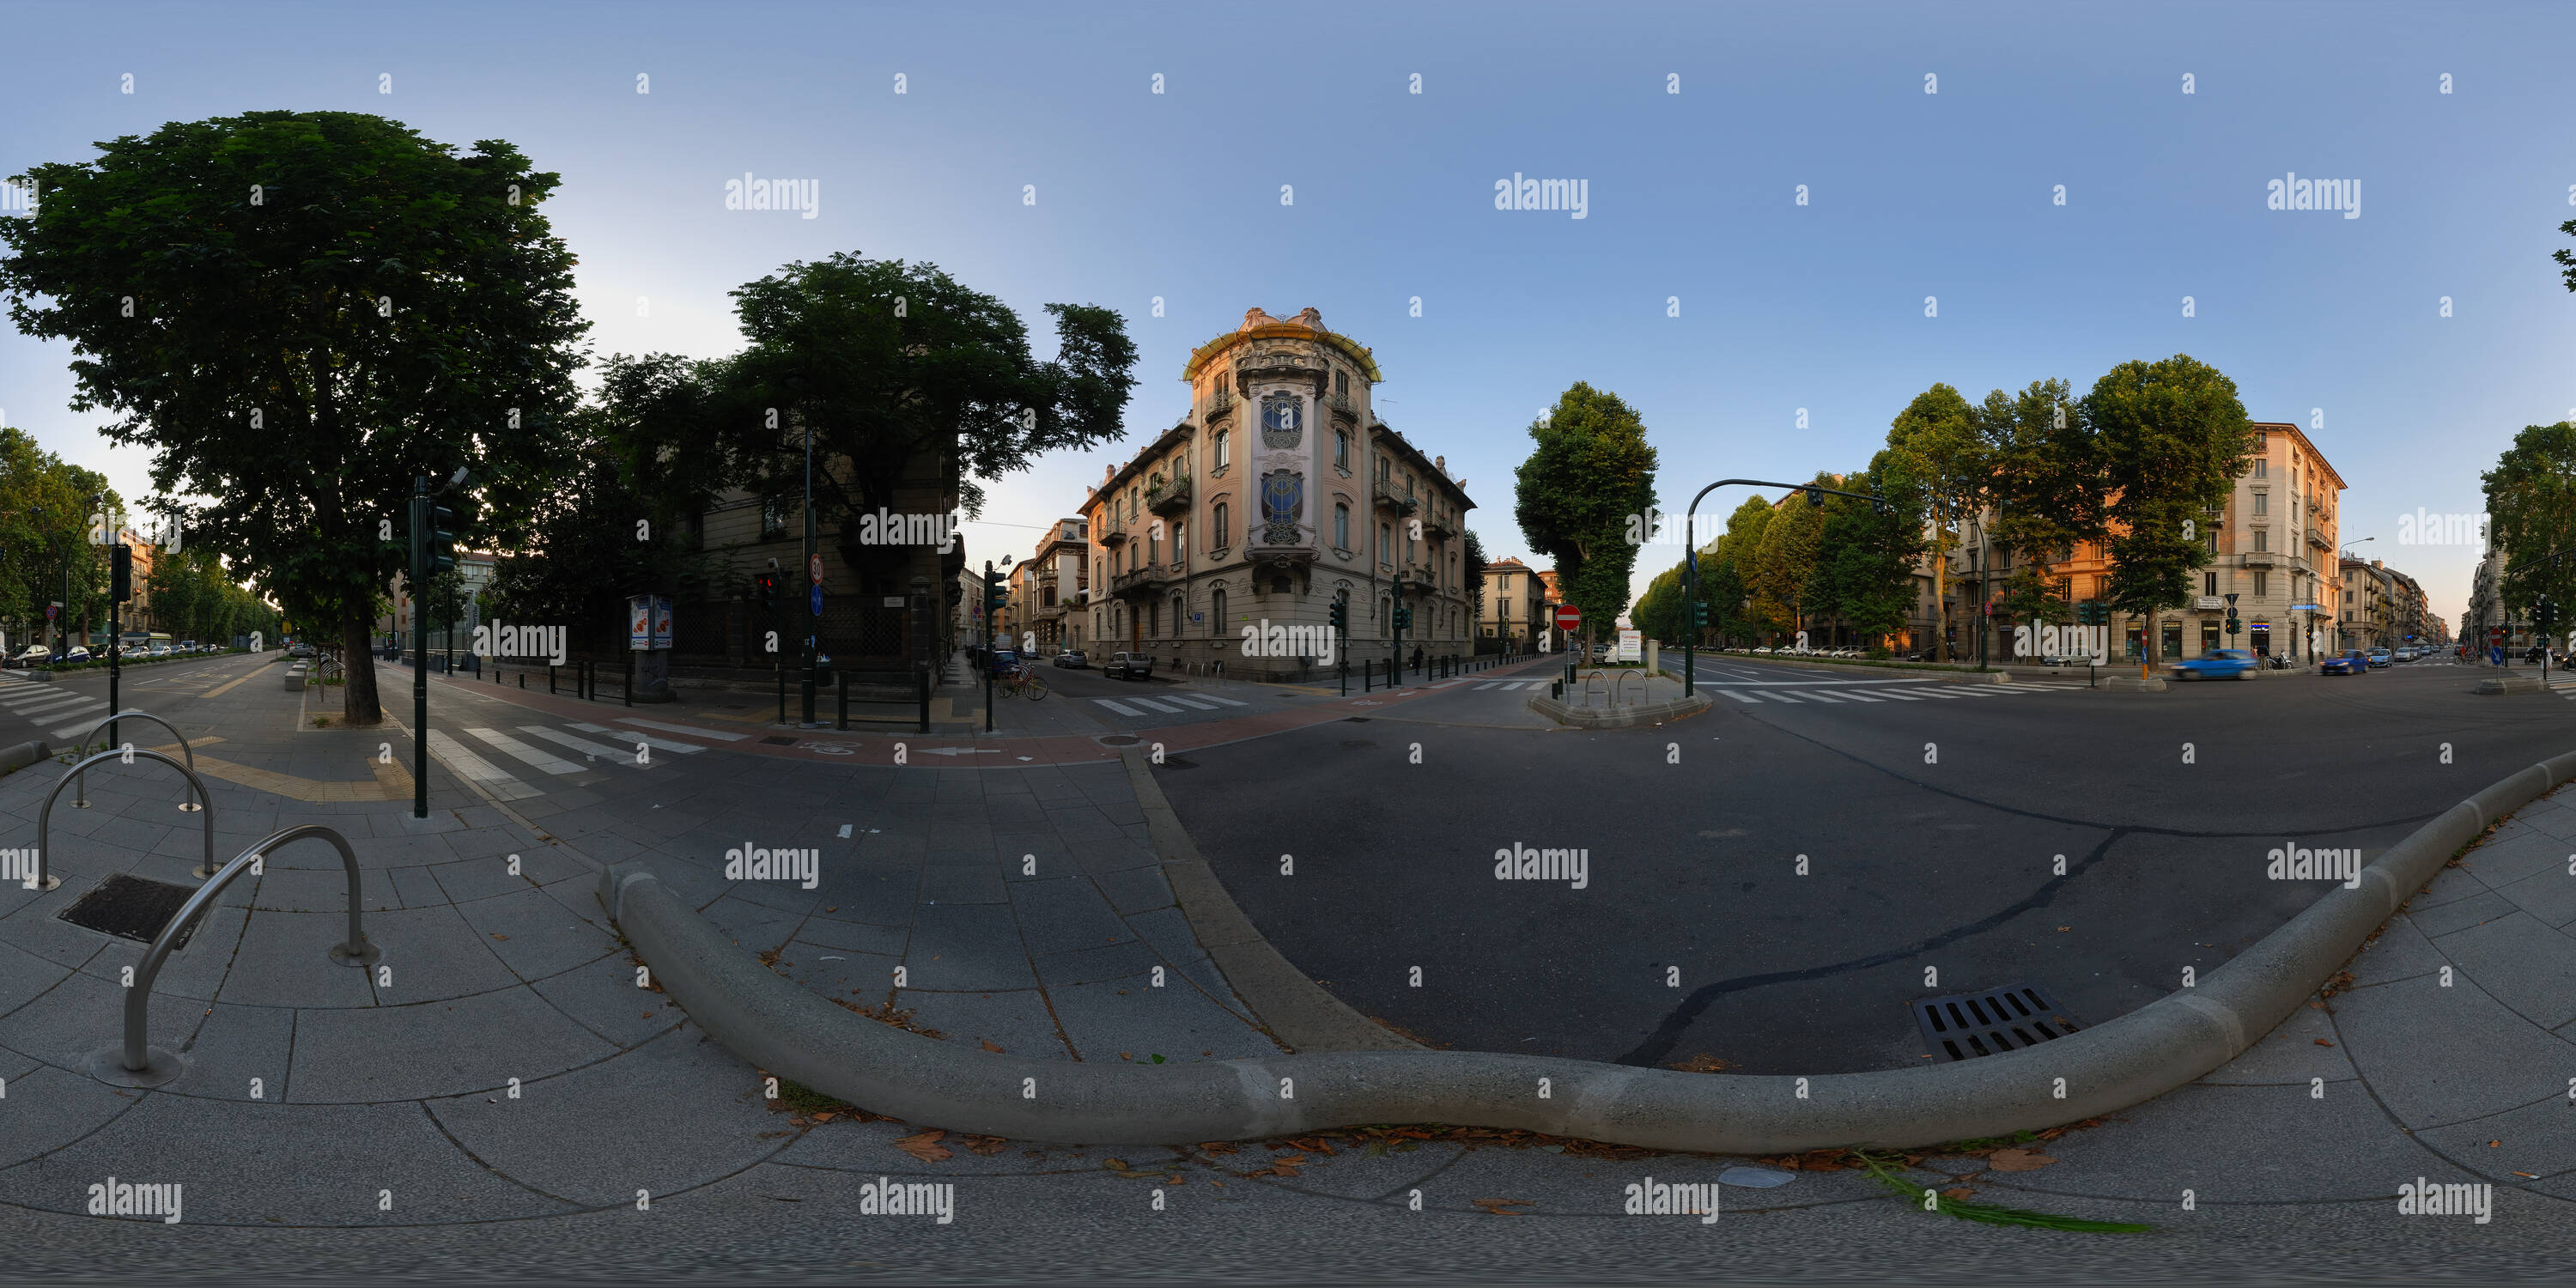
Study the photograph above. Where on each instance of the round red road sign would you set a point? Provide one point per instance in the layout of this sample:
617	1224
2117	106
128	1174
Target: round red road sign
1569	617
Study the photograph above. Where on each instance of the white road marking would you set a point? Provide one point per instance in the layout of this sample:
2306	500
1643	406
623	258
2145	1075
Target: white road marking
457	757
1149	702
623	755
691	730
521	751
1119	707
684	748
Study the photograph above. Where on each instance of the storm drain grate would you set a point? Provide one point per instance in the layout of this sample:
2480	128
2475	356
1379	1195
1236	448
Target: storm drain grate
778	742
131	908
1990	1022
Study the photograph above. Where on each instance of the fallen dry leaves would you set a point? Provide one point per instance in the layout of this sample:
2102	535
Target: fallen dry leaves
1958	1194
1703	1063
987	1144
925	1146
2017	1160
989	1046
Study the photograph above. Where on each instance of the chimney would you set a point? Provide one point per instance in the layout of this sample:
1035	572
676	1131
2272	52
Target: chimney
1441	463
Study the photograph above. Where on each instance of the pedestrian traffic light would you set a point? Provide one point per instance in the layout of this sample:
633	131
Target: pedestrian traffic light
120	575
1339	614
1698	616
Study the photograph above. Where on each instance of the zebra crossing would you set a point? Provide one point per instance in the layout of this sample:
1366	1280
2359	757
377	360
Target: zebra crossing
43	704
1924	692
488	758
1172	704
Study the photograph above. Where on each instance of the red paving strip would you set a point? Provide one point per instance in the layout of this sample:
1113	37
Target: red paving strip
947	751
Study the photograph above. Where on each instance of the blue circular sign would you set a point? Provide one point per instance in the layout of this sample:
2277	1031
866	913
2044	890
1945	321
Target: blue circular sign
817	600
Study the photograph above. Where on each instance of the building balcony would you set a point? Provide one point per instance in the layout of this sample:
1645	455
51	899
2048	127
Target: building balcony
2262	558
1221	406
1384	493
1419	579
1440	525
1110	532
2318	539
1142	583
1342	408
1169	497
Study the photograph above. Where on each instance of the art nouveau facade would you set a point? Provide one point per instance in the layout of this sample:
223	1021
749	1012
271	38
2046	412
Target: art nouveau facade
1278	493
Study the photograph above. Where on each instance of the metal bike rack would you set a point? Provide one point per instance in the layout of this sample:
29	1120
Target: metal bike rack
136	1063
81	800
45	880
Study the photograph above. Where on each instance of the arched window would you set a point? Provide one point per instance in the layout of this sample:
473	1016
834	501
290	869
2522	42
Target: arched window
1224	448
1179	615
1216	614
1341	527
1342	448
1216	535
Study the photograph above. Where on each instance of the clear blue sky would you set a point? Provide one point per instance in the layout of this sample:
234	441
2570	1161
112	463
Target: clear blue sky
1691	195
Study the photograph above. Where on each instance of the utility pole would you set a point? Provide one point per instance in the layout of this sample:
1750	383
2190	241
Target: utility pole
814	592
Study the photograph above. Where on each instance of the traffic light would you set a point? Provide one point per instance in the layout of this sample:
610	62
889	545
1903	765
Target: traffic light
120	573
1339	614
996	591
433	537
767	584
2233	624
1815	495
1403	618
1698	616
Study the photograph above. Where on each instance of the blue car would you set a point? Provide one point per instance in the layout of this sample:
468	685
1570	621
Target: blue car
2217	664
1005	661
2355	662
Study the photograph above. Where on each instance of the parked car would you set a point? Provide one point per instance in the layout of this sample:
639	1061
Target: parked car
1072	658
2217	664
299	650
1004	660
2355	662
1129	666
78	653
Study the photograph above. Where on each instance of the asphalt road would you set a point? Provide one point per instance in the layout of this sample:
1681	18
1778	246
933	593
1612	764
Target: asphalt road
59	711
1930	828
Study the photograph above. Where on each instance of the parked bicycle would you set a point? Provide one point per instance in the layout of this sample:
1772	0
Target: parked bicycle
1022	680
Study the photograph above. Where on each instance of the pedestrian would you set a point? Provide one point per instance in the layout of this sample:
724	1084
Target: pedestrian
1417	657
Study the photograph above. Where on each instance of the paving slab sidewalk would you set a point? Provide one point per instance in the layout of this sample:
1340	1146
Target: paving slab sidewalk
506	1097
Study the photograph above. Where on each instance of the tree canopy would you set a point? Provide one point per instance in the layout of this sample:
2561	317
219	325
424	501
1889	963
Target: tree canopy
299	312
1576	494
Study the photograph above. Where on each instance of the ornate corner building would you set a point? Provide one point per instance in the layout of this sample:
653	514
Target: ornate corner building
1280	492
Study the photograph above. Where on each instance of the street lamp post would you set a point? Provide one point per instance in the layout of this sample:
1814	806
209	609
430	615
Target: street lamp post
1690	553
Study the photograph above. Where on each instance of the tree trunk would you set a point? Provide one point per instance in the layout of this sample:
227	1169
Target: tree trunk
358	704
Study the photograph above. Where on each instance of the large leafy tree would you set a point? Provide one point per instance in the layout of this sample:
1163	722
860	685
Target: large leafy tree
1863	573
1940	464
1786	560
299	312
2171	436
1659	612
2046	485
2531	507
45	504
894	368
1725	571
1577	493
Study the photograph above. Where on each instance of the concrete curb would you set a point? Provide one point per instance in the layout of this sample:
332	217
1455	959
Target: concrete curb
1644	713
1296	1010
24	754
781	1027
2510	684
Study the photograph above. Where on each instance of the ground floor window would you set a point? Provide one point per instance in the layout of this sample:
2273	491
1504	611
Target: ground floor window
2173	639
2261	635
2209	637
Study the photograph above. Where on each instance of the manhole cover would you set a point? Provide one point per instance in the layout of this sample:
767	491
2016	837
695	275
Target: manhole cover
778	742
1990	1022
131	908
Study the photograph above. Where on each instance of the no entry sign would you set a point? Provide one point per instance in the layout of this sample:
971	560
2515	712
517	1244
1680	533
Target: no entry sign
1569	617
